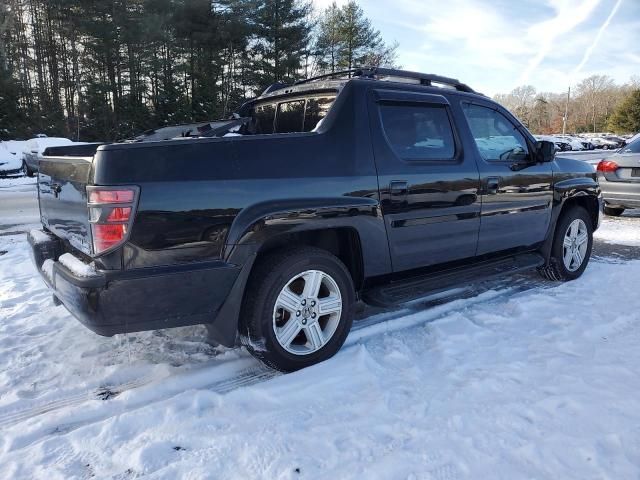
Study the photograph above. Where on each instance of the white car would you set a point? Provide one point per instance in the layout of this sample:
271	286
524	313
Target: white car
11	162
575	143
35	148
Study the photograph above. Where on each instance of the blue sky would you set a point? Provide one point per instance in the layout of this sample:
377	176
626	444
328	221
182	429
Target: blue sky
497	45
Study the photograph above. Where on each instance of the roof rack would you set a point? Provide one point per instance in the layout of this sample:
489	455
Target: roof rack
426	79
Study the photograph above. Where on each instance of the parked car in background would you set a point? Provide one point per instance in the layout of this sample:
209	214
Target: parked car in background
574	142
617	140
603	143
35	148
10	162
561	144
619	178
587	144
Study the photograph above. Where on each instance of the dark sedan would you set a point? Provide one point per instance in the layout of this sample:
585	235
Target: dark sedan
619	177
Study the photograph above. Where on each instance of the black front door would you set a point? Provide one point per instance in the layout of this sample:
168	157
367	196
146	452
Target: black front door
517	193
428	186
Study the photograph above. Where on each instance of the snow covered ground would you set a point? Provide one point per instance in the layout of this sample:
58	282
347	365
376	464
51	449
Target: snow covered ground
524	379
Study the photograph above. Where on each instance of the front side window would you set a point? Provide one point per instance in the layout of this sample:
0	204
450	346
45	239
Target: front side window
290	117
496	137
418	132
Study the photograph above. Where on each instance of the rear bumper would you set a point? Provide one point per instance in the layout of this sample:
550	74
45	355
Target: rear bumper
110	302
623	194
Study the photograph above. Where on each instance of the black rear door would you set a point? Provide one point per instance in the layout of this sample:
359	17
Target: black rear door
428	186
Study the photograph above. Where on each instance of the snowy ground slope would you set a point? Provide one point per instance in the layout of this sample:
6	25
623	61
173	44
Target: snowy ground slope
534	382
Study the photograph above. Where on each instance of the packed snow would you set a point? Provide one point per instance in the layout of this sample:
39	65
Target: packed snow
77	266
623	230
39	237
525	379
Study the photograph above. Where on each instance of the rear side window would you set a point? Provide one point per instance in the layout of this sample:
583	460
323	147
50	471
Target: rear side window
316	110
496	137
265	116
418	132
290	117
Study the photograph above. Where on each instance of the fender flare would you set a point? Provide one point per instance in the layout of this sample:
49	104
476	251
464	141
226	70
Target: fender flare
565	191
254	226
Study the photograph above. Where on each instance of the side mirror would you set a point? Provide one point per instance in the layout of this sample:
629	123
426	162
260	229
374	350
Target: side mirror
545	151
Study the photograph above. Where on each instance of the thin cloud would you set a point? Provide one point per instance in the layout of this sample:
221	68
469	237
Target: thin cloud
589	51
568	17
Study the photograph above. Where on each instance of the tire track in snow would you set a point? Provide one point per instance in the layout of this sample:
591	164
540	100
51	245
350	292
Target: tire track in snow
16	416
362	329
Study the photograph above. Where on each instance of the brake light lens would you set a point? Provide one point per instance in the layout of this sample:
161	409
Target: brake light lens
111	212
111	196
607	166
107	236
119	214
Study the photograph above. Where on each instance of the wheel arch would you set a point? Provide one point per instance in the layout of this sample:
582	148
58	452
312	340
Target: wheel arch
350	228
583	192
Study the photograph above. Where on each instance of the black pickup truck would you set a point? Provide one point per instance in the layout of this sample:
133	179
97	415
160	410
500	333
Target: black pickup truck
375	185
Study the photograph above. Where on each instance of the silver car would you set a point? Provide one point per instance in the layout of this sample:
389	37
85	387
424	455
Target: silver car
619	177
35	148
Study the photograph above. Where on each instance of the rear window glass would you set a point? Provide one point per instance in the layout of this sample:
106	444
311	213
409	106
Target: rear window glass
264	116
300	115
419	132
290	117
633	147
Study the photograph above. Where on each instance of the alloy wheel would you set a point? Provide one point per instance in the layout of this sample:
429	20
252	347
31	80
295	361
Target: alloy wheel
575	244
307	312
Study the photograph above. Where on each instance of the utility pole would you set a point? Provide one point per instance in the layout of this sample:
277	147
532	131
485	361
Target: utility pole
566	111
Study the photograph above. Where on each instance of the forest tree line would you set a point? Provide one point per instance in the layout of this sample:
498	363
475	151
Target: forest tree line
109	69
596	104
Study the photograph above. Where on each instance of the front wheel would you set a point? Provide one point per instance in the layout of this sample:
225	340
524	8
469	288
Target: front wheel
572	246
298	308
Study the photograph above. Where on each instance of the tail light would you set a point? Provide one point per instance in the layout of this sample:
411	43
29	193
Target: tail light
111	212
607	166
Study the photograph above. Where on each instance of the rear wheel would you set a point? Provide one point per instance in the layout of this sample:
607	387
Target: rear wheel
571	248
613	211
298	308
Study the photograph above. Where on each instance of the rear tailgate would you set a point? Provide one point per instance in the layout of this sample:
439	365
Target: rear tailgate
62	182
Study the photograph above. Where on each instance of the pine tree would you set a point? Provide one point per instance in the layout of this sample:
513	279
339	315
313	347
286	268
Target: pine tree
346	39
330	40
282	31
626	118
359	38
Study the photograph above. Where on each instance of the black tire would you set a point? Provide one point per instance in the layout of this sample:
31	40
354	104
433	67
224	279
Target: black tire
613	211
556	269
268	278
28	171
